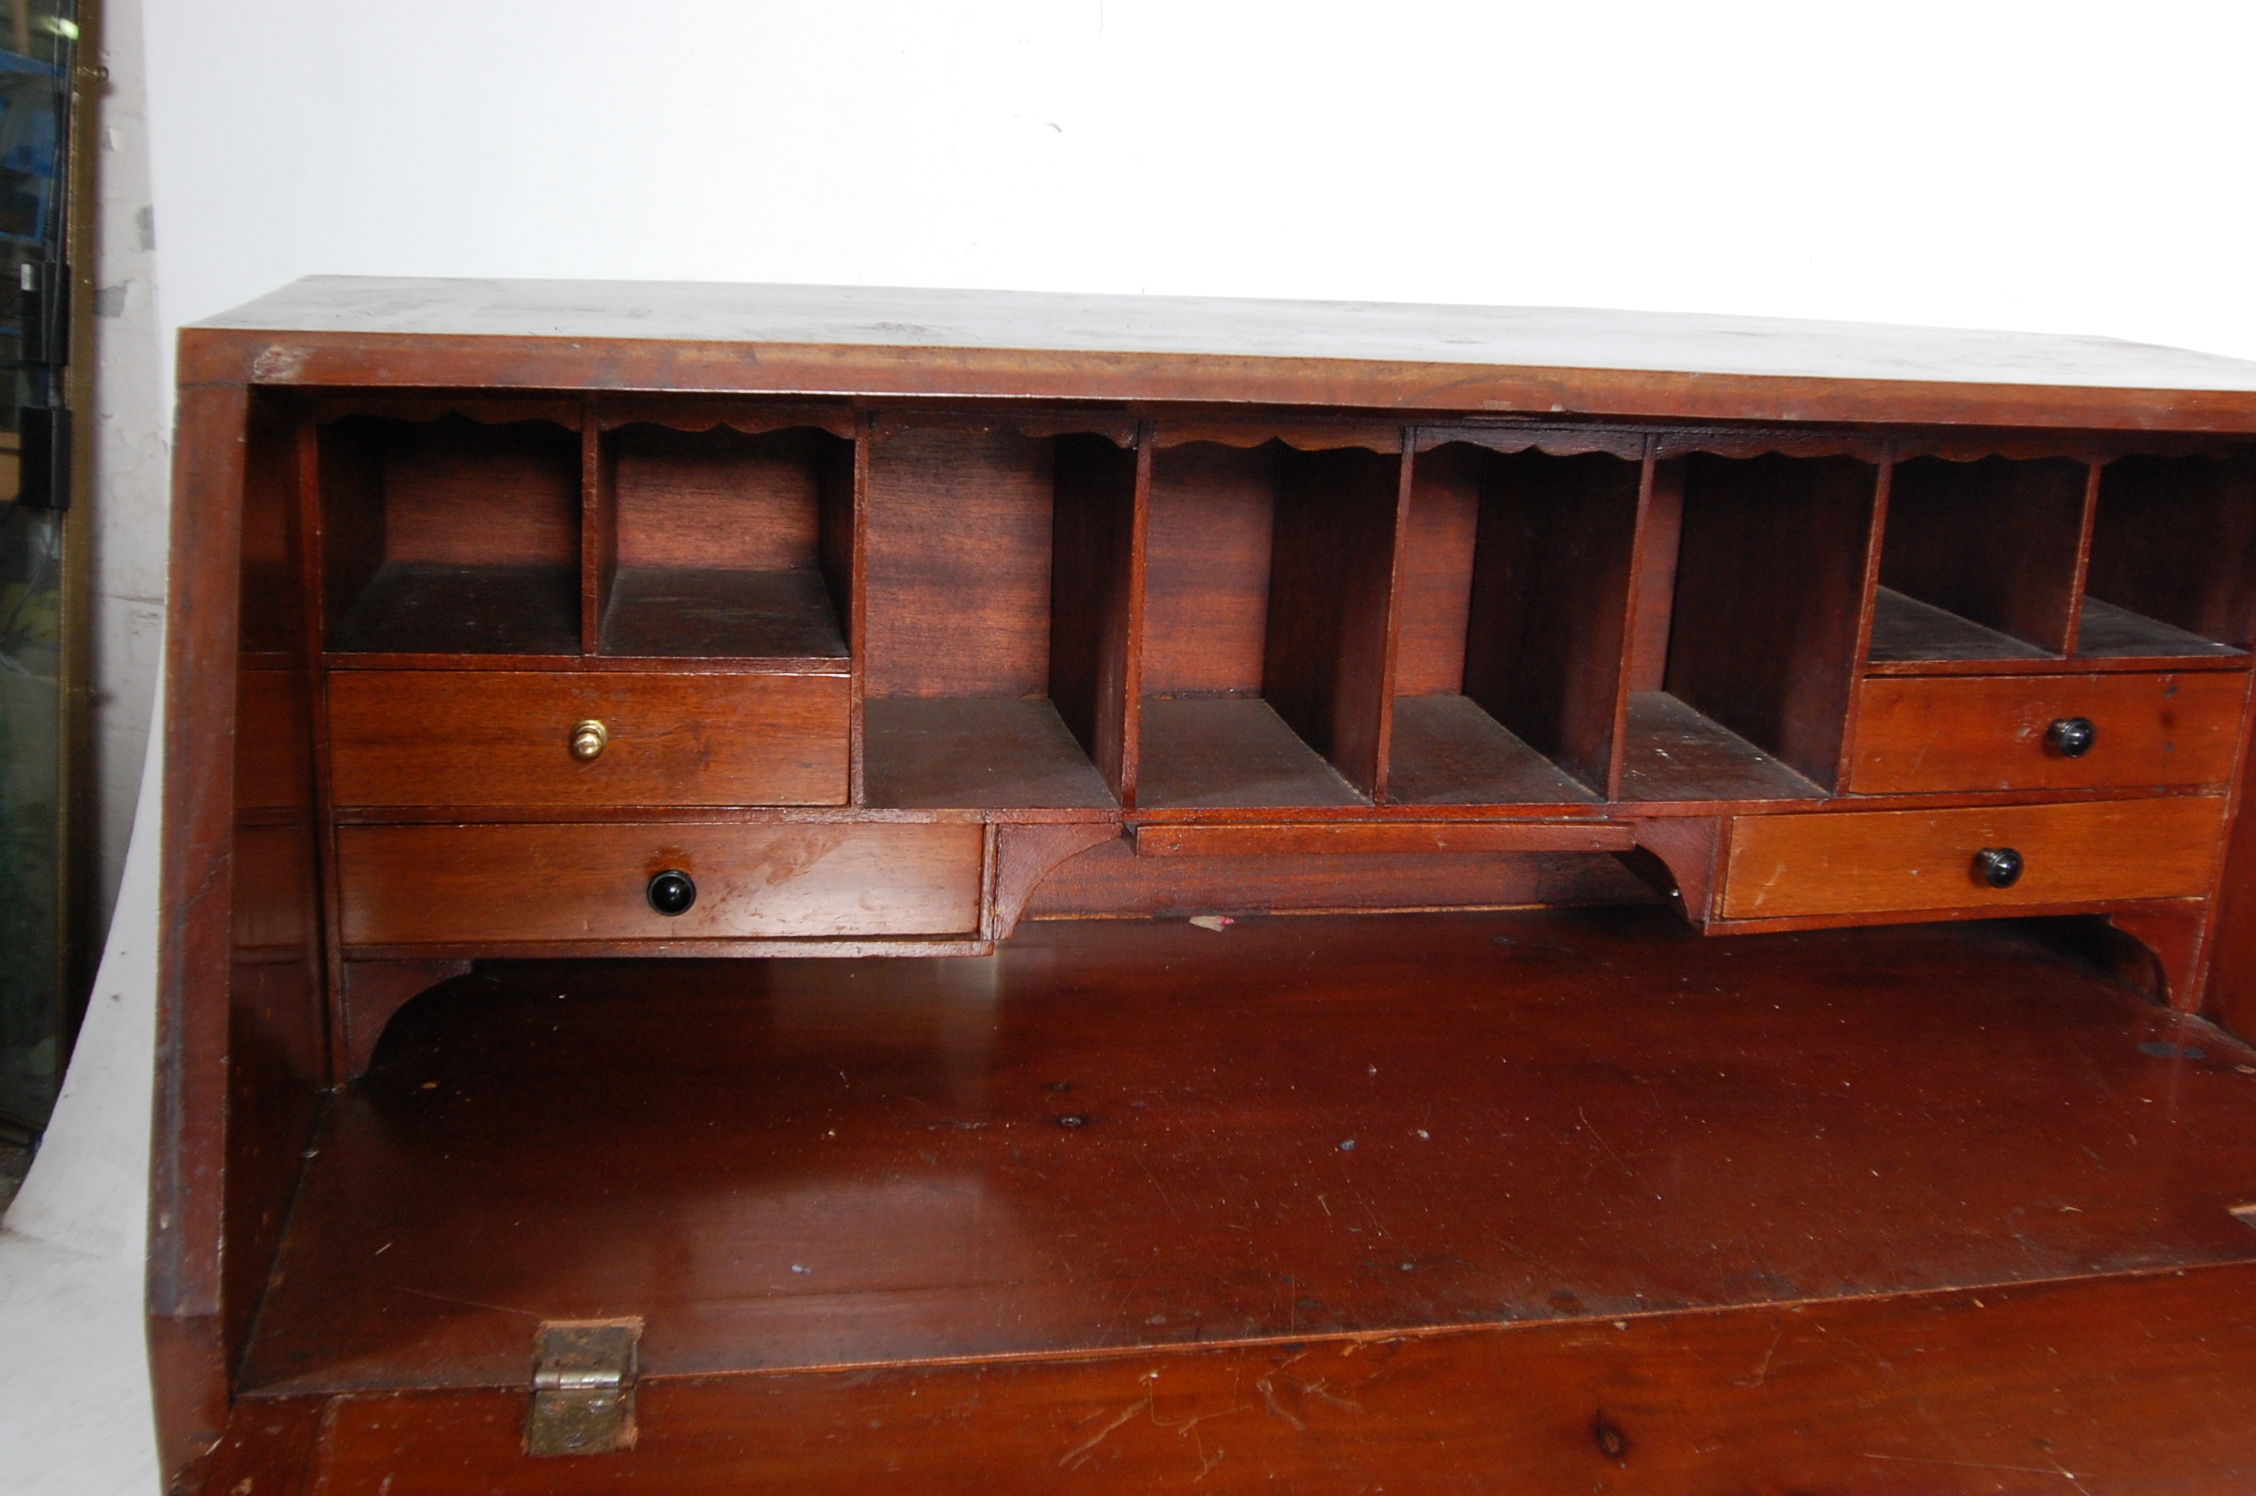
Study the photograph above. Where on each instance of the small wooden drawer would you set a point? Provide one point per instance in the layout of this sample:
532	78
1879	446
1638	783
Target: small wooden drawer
488	885
1993	732
504	738
1907	861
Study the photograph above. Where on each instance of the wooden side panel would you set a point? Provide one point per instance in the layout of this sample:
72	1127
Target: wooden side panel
1437	570
834	537
496	738
1092	592
1881	862
349	513
959	546
1993	541
1544	651
1987	732
2175	540
1206	572
1769	584
1324	666
488	885
189	1350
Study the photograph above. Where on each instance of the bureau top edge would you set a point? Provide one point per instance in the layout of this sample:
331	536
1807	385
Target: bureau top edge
878	341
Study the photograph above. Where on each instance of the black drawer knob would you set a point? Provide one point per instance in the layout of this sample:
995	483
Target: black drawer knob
671	892
2072	737
2000	867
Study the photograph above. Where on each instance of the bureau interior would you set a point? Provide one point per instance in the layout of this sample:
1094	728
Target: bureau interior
2173	559
1980	559
1514	604
996	623
723	543
1267	583
1746	696
451	535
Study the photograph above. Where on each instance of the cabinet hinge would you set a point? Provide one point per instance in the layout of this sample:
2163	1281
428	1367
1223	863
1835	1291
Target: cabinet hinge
583	1386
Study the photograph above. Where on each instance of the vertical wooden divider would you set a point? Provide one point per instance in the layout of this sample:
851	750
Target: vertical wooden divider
599	530
1398	571
1092	588
1868	598
1652	585
857	610
312	580
1132	672
2083	556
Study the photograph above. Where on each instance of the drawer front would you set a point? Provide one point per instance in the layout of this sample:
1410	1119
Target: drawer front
1912	860
1989	732
504	738
485	885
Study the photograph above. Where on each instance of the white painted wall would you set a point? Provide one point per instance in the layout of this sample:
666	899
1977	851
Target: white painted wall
2061	167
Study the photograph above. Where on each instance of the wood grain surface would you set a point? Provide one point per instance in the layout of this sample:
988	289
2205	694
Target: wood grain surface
488	885
1553	1117
1987	732
1908	860
463	737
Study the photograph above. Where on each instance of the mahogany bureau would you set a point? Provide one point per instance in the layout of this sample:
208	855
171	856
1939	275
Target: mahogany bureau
1460	670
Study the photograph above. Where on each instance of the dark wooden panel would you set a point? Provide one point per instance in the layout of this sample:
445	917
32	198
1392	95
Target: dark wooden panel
1554	1117
1883	861
1206	571
1671	752
1092	597
1545	646
1983	732
486	886
2175	540
1905	630
1331	583
1993	541
1229	750
958	543
435	607
2136	1385
690	613
991	752
1396	838
2115	633
1437	571
1113	881
459	493
1769	583
445	737
1447	751
717	499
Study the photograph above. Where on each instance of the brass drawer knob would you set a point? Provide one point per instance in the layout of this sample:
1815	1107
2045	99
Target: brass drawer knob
589	739
1999	867
2072	737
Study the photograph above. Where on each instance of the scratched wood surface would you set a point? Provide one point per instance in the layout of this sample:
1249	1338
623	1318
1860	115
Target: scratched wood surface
1116	1135
2128	1386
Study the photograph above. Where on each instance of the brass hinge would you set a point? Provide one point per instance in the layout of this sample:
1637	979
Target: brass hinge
583	1386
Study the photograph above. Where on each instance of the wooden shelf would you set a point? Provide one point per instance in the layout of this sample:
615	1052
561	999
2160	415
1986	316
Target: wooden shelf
1230	751
413	607
1447	751
1674	753
1905	630
2112	633
679	612
976	753
1097	1141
